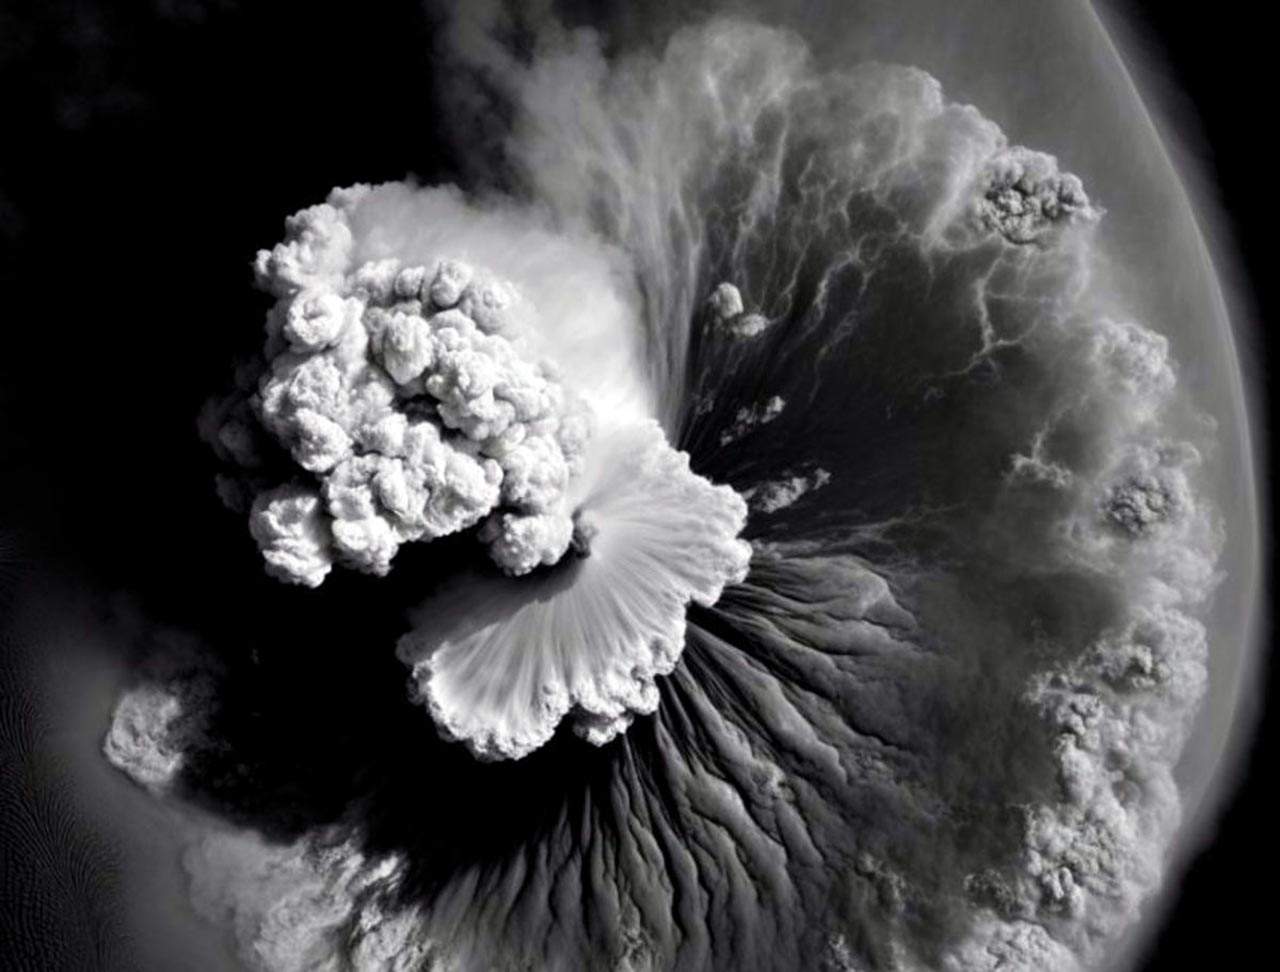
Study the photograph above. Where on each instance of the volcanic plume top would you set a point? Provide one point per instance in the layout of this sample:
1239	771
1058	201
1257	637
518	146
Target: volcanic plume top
409	396
405	394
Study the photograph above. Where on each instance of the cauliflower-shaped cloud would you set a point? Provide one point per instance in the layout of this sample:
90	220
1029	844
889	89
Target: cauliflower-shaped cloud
289	525
1134	357
409	396
1148	486
1027	196
156	722
408	400
658	535
726	306
726	301
1138	503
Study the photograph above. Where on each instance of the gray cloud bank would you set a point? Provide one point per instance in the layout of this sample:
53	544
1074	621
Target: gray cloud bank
935	725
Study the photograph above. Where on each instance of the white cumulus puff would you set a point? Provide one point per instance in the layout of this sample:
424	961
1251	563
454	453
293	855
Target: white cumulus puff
588	641
407	400
156	722
405	396
143	740
289	526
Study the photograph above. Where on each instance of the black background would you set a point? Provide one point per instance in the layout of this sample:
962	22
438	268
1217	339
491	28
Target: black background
151	147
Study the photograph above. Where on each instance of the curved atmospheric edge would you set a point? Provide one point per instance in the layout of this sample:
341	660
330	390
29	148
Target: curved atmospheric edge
1230	710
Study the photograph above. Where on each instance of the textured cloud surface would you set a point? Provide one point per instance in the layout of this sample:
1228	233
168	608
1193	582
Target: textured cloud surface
403	390
593	640
933	726
412	395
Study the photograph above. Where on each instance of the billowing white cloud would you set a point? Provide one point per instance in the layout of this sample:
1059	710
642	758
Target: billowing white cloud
751	417
409	395
727	308
423	395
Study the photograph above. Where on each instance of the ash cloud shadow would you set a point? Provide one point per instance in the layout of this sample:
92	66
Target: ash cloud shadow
313	727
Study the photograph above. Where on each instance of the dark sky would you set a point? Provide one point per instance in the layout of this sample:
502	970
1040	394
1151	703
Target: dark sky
152	150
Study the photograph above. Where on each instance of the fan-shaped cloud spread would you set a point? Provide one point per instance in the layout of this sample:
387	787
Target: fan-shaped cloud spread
499	664
933	727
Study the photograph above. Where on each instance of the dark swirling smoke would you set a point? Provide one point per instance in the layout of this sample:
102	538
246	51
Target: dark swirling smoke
932	725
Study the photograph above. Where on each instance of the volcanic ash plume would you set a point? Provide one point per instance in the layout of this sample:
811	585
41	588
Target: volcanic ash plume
933	727
408	392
